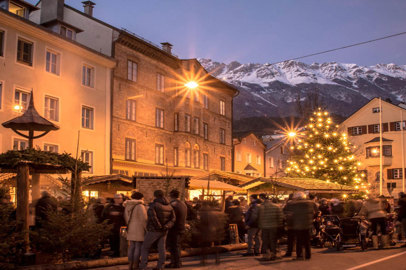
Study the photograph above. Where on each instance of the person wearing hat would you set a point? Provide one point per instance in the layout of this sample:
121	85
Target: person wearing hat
114	214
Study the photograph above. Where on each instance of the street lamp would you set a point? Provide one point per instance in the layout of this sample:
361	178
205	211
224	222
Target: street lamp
191	85
291	134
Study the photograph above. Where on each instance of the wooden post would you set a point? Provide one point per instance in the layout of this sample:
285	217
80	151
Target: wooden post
76	191
223	201
22	202
36	187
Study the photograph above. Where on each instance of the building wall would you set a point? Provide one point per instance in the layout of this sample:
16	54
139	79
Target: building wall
249	145
276	160
365	117
66	87
148	98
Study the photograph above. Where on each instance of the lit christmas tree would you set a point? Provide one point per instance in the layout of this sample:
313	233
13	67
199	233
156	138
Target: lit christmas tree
321	152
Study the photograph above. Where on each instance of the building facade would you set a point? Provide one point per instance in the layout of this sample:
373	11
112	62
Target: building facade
276	158
249	155
364	130
70	83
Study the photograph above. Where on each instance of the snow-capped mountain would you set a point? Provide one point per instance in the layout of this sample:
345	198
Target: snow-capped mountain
273	90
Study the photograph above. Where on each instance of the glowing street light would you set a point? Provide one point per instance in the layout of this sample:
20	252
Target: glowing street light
18	107
292	134
191	84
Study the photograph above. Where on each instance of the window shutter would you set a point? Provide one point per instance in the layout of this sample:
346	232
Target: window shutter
385	127
390	173
350	131
392	126
364	129
370	128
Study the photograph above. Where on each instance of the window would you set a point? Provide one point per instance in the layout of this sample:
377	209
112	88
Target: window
20	144
187	155
17	9
131	71
67	32
205	131
376	110
87	156
176	157
176	122
282	150
397	173
131	109
205	101
222	163
1	43
160	82
222	107
51	108
249	160
24	51
205	161
387	150
372	152
222	136
88	76
51	148
130	149
21	98
375	128
258	160
239	156
187	123
196	125
270	160
87	117
159	154
390	186
52	62
159	118
398	124
356	131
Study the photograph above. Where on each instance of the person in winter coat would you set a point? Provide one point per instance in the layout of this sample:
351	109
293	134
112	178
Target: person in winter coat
114	213
236	216
251	222
289	227
135	216
324	208
176	232
302	212
402	213
373	209
336	207
269	220
44	206
161	218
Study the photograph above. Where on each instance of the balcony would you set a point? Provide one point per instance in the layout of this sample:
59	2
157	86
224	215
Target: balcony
374	161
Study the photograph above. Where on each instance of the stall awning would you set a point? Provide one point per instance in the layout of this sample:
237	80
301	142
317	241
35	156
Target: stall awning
214	185
105	178
216	174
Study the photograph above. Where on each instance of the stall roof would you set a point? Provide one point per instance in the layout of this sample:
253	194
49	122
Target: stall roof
104	178
300	184
228	175
202	184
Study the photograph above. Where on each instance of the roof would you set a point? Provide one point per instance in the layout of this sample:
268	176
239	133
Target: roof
105	178
242	135
30	120
249	167
214	184
228	175
300	184
7	177
376	139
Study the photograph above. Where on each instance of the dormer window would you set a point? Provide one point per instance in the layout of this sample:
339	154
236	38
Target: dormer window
17	9
68	32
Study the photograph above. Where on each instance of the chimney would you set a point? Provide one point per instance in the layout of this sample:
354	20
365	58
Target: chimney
167	47
88	7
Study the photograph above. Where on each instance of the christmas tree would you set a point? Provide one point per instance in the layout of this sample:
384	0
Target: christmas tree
321	152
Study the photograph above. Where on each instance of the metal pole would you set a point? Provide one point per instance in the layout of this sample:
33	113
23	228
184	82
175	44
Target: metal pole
403	150
380	149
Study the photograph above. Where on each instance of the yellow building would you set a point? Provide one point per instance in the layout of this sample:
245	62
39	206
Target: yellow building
363	128
249	153
71	86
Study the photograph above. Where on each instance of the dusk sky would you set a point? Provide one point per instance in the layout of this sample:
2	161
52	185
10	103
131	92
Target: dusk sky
263	31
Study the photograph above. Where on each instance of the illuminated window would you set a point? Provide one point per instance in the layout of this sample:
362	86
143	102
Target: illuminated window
249	158
132	70
17	9
51	148
131	109
130	149
160	82
20	144
51	108
52	62
159	118
222	136
372	152
67	32
187	123
205	161
159	154
187	155
87	117
205	131
87	156
222	107
196	125
24	51
1	43
196	156
88	76
21	98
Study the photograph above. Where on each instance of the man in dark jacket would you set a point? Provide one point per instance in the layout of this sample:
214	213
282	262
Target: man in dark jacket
176	232
251	223
161	218
114	214
302	212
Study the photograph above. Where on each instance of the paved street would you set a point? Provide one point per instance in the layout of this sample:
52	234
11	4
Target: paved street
321	259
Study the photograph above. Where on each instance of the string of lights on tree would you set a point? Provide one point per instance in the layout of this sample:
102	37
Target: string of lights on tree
321	152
